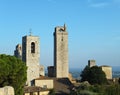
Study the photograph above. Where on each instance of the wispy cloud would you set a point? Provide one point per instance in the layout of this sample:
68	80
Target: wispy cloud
103	3
98	3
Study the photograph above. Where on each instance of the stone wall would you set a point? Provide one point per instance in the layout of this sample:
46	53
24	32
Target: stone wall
44	83
51	72
18	51
61	52
41	70
31	56
108	71
35	90
7	90
38	93
91	63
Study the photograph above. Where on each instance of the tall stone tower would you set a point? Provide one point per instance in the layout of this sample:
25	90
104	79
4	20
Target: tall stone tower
61	52
31	56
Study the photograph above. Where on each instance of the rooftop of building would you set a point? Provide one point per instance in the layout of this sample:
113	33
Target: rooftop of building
62	86
43	78
28	89
105	66
30	36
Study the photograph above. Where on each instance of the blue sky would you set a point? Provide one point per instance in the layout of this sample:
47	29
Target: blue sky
93	27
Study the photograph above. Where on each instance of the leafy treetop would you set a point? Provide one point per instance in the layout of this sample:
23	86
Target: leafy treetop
93	75
12	73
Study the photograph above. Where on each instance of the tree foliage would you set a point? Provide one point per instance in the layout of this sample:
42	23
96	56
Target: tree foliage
12	73
52	92
93	75
83	89
113	89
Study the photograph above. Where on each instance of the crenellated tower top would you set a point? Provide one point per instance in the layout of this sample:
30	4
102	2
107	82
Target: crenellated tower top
61	28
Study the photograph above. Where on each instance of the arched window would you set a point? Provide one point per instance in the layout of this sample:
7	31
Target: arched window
32	47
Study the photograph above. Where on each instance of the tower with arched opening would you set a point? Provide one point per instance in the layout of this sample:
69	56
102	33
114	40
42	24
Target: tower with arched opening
31	56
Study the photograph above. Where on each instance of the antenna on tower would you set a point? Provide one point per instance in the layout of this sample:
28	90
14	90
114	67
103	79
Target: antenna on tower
64	27
30	31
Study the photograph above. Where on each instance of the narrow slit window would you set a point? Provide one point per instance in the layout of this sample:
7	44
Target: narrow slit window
32	47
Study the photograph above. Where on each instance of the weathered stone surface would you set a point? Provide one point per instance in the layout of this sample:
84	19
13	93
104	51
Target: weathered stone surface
18	51
41	70
91	63
108	71
31	56
7	90
44	82
61	52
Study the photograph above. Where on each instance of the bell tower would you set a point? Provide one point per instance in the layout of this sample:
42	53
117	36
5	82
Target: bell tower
61	52
31	56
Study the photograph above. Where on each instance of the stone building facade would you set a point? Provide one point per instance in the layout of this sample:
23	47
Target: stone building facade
35	90
61	52
18	51
91	63
41	70
29	52
50	71
7	90
108	71
31	56
44	82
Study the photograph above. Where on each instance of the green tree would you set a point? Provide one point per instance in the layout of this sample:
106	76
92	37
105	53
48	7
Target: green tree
93	75
85	73
112	90
12	73
52	92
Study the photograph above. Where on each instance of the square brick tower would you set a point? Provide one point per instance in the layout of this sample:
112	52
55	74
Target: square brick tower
61	68
31	56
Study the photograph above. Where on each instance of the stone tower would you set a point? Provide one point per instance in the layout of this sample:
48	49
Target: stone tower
61	52
107	70
18	51
91	63
31	56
